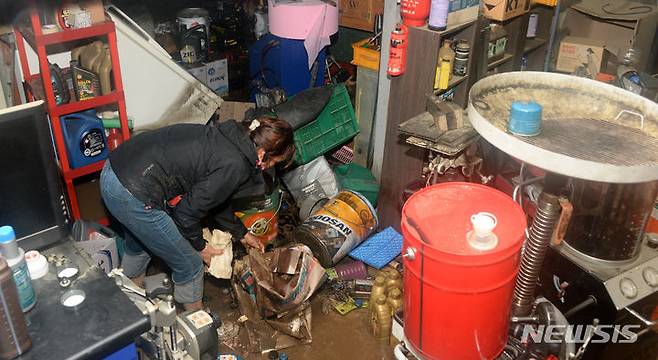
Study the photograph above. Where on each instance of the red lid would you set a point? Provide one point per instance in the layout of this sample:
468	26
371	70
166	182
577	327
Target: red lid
442	214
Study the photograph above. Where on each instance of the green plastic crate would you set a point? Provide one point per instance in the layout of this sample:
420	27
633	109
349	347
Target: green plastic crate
358	178
335	125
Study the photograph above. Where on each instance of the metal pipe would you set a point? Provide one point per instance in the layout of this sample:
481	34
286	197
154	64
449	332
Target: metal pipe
548	213
589	301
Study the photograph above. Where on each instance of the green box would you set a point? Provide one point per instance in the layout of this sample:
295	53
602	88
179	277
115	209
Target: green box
335	125
358	178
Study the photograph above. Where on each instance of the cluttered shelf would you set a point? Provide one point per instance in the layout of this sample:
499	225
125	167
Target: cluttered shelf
533	44
83	105
101	29
451	29
507	57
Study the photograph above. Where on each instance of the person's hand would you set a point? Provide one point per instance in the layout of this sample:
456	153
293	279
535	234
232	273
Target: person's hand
208	252
249	240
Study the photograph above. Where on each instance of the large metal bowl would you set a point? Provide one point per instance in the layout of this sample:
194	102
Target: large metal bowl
590	130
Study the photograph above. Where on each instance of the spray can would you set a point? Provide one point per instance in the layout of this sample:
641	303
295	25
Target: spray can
439	15
415	12
16	259
14	338
397	60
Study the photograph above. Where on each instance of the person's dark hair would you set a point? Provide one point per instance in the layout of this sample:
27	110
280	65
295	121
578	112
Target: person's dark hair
273	135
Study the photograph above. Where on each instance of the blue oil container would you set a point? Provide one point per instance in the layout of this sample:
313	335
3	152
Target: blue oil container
283	63
85	138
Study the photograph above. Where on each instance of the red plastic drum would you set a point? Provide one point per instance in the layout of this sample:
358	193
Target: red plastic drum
456	297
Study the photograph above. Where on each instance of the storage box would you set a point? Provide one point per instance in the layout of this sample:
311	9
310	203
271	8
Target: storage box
199	72
590	19
578	52
505	9
359	14
462	11
217	76
95	8
545	2
234	110
366	57
335	125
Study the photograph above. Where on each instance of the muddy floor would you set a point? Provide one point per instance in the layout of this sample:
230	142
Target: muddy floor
335	336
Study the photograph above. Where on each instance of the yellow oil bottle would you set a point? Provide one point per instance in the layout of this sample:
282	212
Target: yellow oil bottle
381	319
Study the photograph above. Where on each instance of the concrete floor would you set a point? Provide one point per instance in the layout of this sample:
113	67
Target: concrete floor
335	336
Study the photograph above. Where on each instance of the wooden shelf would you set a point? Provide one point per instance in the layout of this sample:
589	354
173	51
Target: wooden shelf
454	81
533	44
507	57
449	30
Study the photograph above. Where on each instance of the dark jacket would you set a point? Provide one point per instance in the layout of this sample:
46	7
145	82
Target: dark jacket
204	164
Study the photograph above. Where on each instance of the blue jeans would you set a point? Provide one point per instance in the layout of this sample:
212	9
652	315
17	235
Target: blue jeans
152	232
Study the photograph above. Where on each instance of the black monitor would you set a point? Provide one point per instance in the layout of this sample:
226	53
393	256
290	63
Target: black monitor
32	197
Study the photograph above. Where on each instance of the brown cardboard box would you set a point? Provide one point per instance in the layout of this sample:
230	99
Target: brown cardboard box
359	14
617	25
504	9
576	52
95	8
234	110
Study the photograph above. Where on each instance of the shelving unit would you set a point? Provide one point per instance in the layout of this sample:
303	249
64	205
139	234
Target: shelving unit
41	44
519	46
507	57
407	98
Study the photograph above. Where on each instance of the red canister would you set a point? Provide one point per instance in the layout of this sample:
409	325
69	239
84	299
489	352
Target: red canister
415	12
461	251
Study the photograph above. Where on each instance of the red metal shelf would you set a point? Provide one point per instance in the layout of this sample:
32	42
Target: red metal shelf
85	170
75	34
83	105
33	37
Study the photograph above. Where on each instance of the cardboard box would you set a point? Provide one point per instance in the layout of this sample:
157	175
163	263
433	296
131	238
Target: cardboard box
199	72
578	52
95	8
359	14
501	10
217	76
588	19
462	11
234	110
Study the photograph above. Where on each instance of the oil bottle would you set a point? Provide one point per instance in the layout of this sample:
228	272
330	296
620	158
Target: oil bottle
394	281
444	66
378	289
381	320
394	300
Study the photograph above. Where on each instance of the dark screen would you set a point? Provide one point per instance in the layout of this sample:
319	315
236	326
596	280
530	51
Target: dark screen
29	182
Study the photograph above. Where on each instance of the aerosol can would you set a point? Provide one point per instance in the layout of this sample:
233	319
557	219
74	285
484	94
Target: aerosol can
397	60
